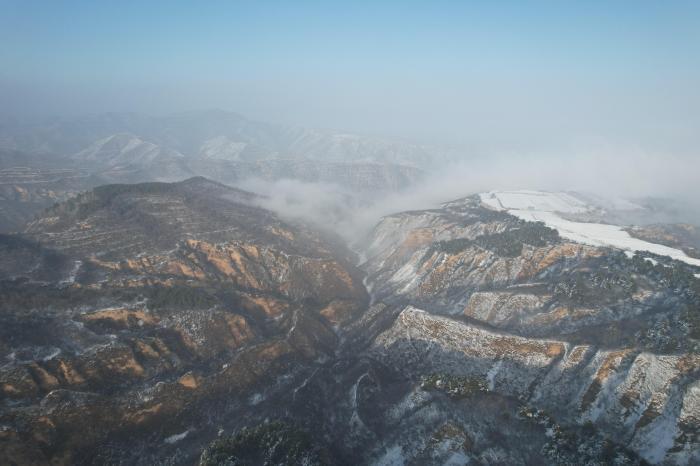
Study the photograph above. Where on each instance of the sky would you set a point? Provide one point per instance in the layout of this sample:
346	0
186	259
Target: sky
501	76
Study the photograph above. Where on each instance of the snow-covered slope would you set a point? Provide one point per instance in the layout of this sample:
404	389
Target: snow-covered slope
125	149
222	148
534	200
648	401
547	207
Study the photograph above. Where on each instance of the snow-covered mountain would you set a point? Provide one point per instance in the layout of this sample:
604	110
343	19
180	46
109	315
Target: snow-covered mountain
566	320
222	148
213	134
170	321
555	209
125	149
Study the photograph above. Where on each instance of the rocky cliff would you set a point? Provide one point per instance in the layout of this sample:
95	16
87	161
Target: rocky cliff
593	337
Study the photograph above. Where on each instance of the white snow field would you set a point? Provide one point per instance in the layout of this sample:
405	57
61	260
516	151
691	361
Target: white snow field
539	206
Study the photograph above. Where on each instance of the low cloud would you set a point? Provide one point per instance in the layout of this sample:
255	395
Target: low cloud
605	174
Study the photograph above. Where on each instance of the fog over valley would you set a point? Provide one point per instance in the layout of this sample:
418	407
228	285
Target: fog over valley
350	233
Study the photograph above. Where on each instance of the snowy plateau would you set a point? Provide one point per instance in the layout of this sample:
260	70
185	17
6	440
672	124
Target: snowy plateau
552	207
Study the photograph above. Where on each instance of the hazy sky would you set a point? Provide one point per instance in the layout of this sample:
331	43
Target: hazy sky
516	75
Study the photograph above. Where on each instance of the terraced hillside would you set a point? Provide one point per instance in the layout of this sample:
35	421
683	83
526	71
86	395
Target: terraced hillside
29	184
134	313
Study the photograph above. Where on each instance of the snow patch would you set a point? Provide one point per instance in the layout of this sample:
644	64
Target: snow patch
55	352
491	374
393	457
176	438
534	206
73	274
535	200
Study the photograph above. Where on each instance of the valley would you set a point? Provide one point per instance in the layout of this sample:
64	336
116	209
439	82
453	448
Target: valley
436	234
155	322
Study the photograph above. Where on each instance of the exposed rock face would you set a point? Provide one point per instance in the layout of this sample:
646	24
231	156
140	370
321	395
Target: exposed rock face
159	304
590	336
150	323
498	308
519	276
634	397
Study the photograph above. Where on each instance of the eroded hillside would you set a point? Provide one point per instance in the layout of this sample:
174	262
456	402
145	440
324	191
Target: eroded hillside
136	309
175	322
589	335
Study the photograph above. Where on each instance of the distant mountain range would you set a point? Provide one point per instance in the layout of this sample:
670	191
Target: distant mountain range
128	148
210	135
154	312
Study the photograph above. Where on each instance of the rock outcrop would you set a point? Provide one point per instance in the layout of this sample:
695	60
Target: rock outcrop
594	338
